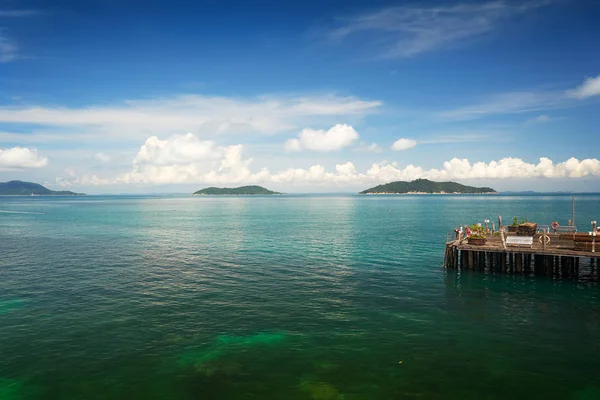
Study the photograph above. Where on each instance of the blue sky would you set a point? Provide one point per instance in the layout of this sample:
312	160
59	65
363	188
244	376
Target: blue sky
101	96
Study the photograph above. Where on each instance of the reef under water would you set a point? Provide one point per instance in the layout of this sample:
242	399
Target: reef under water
224	345
10	389
7	306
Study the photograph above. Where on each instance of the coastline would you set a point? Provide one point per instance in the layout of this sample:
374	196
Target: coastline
422	193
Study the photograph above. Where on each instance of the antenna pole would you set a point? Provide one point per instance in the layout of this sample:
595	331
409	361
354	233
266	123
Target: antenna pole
572	210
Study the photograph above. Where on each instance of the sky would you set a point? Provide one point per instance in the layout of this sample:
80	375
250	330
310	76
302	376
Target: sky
106	96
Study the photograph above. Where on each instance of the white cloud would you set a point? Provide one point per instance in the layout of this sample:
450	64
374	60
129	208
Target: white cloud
336	138
589	88
409	30
21	158
292	145
540	119
507	103
102	157
525	101
8	47
455	169
403	144
185	159
85	180
503	169
204	115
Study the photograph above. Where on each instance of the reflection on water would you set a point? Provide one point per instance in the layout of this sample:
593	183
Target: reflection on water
286	297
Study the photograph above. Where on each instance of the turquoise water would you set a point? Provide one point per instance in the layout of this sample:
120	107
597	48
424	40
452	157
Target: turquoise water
286	297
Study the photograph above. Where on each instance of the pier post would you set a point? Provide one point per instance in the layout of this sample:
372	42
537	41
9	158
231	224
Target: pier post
519	262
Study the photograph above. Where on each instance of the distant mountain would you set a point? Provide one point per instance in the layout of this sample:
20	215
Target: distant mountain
243	190
20	188
425	186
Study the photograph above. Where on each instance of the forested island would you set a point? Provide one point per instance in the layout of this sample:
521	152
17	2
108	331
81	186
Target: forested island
243	190
20	188
425	186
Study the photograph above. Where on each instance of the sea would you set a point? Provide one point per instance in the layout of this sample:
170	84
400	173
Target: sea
300	297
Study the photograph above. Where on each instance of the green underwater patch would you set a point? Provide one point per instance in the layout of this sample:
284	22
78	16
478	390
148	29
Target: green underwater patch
229	345
321	390
7	306
587	393
10	389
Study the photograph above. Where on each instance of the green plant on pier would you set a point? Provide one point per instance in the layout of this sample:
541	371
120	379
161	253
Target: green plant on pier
477	236
477	230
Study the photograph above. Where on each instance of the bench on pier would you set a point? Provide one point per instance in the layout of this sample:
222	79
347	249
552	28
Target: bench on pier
566	229
519	241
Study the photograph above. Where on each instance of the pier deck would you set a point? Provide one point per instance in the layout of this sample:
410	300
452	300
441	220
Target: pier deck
560	256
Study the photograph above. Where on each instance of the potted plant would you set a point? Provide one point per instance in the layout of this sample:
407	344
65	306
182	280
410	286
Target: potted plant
477	239
514	226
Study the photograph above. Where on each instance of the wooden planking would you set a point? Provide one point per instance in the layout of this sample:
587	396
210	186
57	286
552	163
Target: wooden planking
558	260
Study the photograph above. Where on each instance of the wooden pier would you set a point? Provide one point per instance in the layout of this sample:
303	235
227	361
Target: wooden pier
564	256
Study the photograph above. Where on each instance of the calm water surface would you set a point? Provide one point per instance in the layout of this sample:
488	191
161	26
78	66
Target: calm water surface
286	297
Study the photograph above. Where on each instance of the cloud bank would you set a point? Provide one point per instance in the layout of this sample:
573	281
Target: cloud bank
202	115
186	159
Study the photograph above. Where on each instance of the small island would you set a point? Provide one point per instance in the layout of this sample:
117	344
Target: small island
20	188
239	191
425	186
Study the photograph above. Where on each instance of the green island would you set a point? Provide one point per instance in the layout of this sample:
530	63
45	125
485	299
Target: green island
425	186
242	190
20	188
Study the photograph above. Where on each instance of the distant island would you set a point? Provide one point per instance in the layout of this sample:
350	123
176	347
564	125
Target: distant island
20	188
243	190
425	186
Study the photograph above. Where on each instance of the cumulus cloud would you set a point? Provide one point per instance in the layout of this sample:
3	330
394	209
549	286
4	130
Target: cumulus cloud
186	159
21	158
455	169
589	88
336	138
72	180
403	144
503	169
